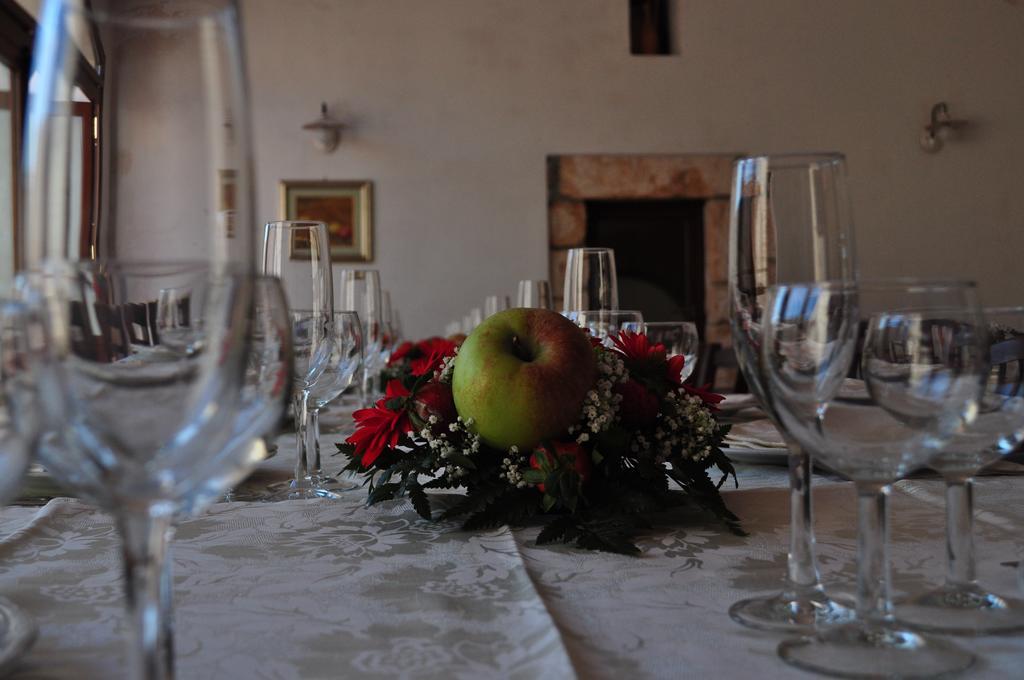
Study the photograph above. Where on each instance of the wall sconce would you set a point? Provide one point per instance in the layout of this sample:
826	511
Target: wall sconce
326	130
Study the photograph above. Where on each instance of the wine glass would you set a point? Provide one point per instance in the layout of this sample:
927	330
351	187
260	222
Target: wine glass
22	338
590	280
359	291
680	338
342	367
606	324
789	221
395	322
133	424
266	391
962	606
298	253
495	303
535	294
920	387
388	343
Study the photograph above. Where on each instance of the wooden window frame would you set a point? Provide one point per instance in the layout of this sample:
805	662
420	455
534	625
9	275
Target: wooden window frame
17	34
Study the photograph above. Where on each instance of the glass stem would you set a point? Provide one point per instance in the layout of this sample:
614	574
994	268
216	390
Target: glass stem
802	571
366	388
874	605
959	531
148	591
301	439
314	427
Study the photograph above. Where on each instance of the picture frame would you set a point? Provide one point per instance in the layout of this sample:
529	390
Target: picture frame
346	207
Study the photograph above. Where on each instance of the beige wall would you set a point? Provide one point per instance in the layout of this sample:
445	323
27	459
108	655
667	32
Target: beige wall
454	105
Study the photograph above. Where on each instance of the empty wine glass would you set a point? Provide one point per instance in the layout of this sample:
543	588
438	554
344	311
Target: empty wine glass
266	392
608	323
387	329
133	424
22	347
359	291
590	280
298	253
397	332
789	222
919	388
145	435
961	605
495	303
680	338
535	294
342	367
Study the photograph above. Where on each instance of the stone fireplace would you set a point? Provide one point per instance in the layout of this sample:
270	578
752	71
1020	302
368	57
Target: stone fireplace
587	192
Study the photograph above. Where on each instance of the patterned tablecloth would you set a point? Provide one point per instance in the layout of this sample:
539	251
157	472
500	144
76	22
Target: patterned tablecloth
320	589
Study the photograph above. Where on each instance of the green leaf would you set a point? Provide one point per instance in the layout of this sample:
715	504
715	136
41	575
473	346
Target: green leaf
382	492
557	530
533	476
548	502
544	459
420	502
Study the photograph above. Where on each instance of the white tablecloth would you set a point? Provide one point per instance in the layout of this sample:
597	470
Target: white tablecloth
322	589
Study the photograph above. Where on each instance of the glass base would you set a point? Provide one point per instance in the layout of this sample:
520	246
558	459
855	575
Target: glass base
791	611
962	610
337	484
17	634
860	650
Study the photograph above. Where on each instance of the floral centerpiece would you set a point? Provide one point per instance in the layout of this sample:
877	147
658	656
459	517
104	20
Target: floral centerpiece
535	420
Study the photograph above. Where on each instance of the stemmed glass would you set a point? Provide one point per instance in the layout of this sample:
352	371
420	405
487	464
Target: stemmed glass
607	323
961	605
680	338
388	343
21	348
267	389
535	294
494	304
345	361
789	221
590	280
137	425
923	362
359	291
298	253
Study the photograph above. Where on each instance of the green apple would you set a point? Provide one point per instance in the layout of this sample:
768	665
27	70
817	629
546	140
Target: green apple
522	376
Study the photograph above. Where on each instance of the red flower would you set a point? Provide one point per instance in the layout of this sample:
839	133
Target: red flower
709	398
394	389
400	352
435	399
636	346
435	351
566	453
379	427
431	345
675	368
639	405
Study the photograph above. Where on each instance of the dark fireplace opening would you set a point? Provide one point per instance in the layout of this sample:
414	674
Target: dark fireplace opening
659	254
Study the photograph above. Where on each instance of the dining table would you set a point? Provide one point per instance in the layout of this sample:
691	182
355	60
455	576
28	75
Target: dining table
334	588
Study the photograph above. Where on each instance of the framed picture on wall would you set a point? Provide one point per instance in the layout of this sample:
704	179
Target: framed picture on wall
346	209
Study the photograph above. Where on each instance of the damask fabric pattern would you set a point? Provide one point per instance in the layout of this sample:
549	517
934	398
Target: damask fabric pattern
312	589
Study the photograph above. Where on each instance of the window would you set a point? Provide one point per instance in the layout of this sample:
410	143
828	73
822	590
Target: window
16	34
16	28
